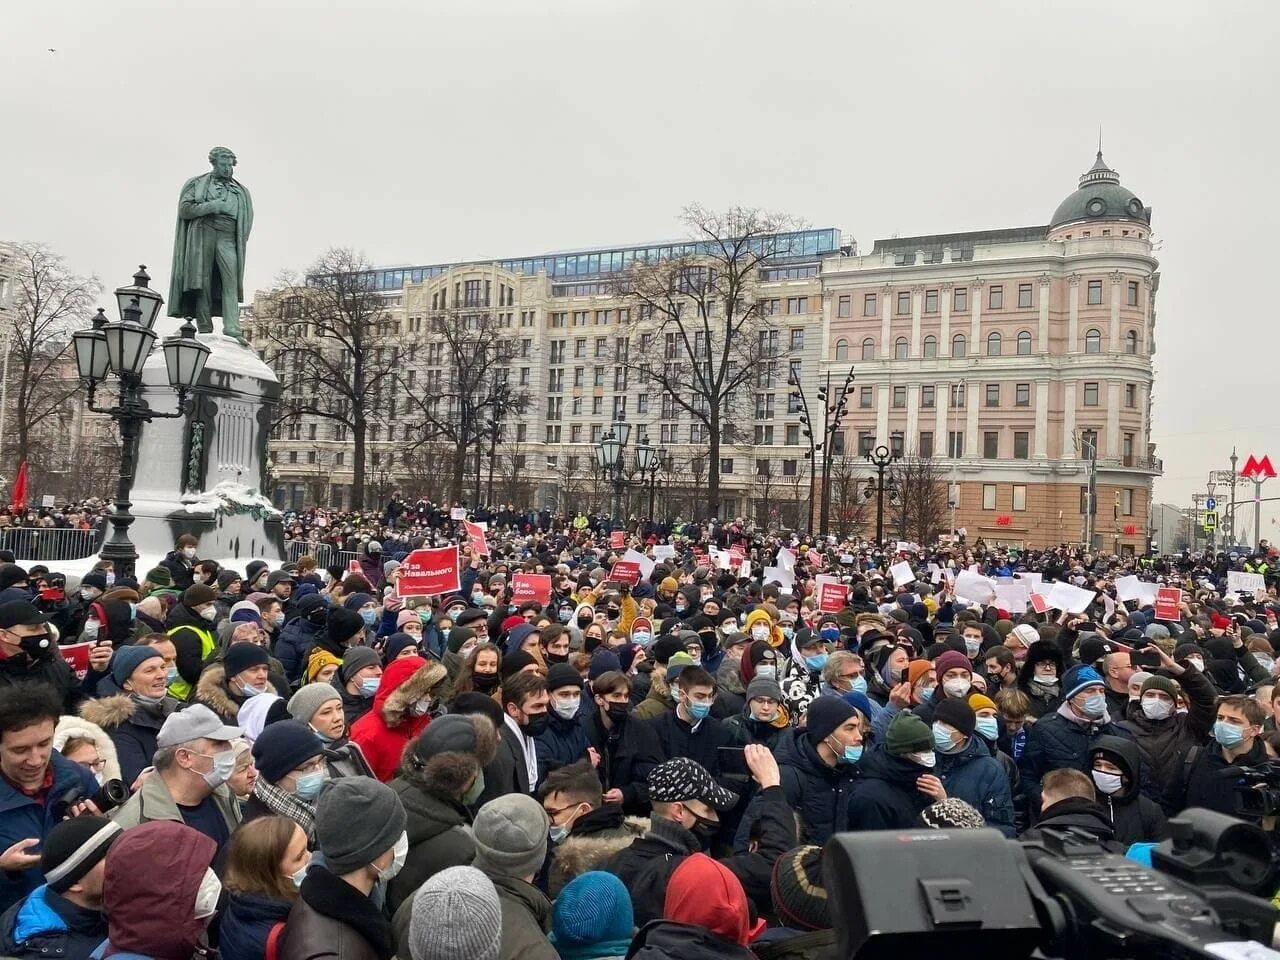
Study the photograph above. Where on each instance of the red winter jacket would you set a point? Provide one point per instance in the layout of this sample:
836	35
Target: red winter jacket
383	732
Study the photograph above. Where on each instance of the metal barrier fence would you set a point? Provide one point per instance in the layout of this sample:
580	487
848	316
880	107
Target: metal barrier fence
50	543
324	554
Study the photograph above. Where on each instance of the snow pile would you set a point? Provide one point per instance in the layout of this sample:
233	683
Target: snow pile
229	497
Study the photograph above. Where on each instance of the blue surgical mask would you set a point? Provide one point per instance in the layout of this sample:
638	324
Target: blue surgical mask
859	684
249	691
852	754
369	685
370	617
699	711
133	611
942	739
171	675
1228	734
565	615
829	634
310	784
788	631
477	597
927	694
987	727
642	638
1095	705
816	662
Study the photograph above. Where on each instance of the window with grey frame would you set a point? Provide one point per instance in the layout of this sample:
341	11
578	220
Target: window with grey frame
1022	394
991	444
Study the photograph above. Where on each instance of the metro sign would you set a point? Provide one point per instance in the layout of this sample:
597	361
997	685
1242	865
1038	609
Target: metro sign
1255	469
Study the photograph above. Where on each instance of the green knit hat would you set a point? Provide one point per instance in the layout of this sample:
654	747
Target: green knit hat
1163	684
908	734
159	577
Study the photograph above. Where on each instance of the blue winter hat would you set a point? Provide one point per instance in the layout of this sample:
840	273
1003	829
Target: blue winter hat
1078	678
517	636
860	702
357	600
593	907
127	659
603	661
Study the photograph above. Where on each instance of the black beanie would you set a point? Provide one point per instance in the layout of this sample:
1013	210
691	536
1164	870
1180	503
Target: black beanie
342	624
825	713
563	675
284	746
513	663
241	656
72	848
955	713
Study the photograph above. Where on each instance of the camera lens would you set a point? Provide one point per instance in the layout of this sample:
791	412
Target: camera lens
113	794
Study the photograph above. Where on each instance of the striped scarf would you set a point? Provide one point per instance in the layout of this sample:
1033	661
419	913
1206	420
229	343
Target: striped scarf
285	804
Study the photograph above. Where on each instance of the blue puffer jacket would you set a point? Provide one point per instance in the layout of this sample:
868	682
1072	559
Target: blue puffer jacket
46	925
977	778
818	793
562	743
22	817
247	922
294	644
1056	743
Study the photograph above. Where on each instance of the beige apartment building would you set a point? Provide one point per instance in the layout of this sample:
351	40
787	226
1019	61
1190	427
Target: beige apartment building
1005	356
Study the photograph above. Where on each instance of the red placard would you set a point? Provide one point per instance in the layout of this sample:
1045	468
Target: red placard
1168	602
531	586
814	557
77	654
1038	603
429	573
354	567
625	571
617	539
479	545
737	554
832	597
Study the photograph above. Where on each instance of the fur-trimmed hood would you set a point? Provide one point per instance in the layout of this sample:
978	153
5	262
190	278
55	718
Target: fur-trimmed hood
404	682
212	691
72	726
109	712
449	773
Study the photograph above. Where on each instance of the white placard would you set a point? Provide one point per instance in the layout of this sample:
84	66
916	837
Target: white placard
1128	588
1033	579
785	577
744	571
786	560
721	558
902	574
1012	596
1238	580
664	551
646	565
974	587
1069	598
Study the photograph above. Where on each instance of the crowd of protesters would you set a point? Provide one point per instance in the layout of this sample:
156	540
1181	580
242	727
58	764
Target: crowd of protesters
289	761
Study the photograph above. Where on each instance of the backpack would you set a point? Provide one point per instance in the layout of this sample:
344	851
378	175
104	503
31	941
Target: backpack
270	951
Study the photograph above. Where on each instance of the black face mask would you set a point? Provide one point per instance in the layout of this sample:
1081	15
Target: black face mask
535	725
618	712
584	622
705	831
485	682
38	647
557	657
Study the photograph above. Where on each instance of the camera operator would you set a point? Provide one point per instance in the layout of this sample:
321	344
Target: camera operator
32	776
1237	742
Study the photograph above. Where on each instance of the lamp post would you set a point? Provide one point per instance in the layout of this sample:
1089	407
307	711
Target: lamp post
648	460
880	458
123	348
611	458
833	411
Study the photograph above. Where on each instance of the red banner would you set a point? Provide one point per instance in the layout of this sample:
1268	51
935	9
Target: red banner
429	573
737	554
1038	603
832	597
625	571
618	539
479	546
1168	603
531	586
354	567
77	654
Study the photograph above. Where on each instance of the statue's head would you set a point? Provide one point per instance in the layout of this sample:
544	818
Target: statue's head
223	162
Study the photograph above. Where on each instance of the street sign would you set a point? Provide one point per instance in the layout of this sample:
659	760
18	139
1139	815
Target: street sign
1211	520
1210	503
1223	476
1258	469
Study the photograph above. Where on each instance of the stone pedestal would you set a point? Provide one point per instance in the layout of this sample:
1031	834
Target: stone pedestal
205	474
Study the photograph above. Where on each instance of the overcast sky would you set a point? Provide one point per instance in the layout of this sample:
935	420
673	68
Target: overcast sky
421	132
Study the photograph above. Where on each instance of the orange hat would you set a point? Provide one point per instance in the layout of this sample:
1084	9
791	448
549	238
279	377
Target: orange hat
917	669
980	701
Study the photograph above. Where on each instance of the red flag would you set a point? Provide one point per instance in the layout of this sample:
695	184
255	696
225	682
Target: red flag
19	501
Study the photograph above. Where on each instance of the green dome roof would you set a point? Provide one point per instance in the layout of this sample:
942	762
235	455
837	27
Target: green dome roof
1100	197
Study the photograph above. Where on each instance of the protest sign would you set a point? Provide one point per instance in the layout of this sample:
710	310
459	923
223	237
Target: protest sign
429	572
77	655
1069	598
644	563
974	587
1238	580
354	567
531	586
458	513
1128	588
1038	603
784	577
664	551
1168	603
625	571
831	597
1033	579
901	573
617	539
1012	596
479	545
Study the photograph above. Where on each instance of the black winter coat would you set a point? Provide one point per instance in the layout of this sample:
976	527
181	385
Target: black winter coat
1080	814
625	759
1136	818
1210	783
677	738
667	940
562	743
246	923
819	794
294	644
885	796
1055	743
1164	743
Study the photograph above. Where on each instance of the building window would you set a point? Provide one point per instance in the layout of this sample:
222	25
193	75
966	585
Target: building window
957	395
925	449
868	304
901	349
928	396
1126	449
1022	394
868	349
1024	295
1019	496
995	298
991	444
992	395
955	444
1095	291
1021	444
797	338
1091	394
931	301
1133	293
726	464
988	496
842	349
1093	341
993	344
866	442
899	397
762	468
1024	344
1131	342
764	435
788	468
904	302
930	347
865	397
1126	501
793	434
959	346
844	307
960	299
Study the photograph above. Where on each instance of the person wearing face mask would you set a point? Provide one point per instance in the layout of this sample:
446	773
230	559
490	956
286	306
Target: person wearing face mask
965	767
1061	740
1069	800
319	705
525	717
1163	735
628	748
92	586
181	561
133	718
291	773
954	682
659	699
298	636
764	715
820	768
802	679
1237	741
367	608
408	695
159	892
896	777
1114	766
585	831
243	673
1040	677
193	761
360	834
27	655
190	625
564	741
690	731
441	777
731	689
266	863
357	681
760	626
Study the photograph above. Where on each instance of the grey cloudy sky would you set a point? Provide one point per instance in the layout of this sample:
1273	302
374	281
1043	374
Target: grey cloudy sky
429	131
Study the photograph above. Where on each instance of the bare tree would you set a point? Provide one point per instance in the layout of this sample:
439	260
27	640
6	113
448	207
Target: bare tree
919	510
337	351
847	502
764	489
800	516
702	332
50	301
468	391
